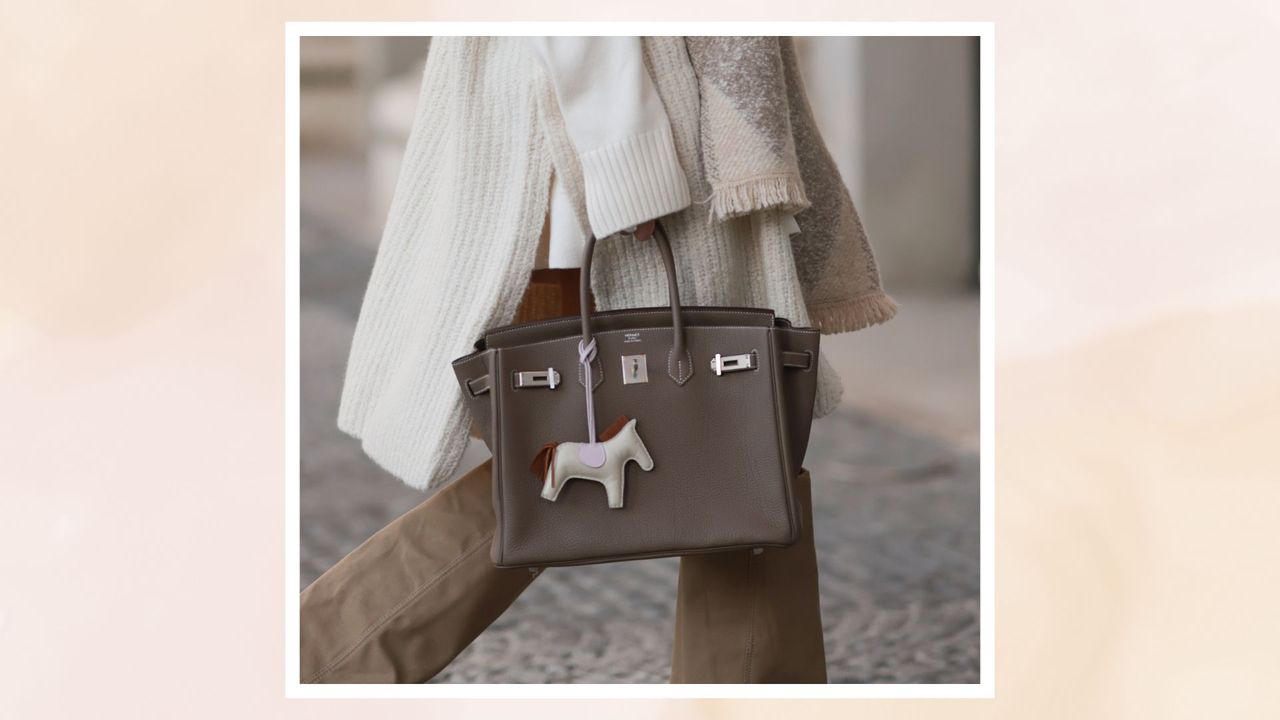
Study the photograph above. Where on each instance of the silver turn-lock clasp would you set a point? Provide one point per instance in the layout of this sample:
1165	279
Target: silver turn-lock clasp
548	378
635	369
721	364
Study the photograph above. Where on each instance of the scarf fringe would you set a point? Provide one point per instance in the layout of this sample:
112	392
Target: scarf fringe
856	314
774	192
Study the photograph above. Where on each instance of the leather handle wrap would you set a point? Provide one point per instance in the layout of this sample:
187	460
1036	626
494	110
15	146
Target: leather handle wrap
673	292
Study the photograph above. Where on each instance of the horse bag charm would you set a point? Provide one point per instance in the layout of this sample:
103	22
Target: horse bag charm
602	460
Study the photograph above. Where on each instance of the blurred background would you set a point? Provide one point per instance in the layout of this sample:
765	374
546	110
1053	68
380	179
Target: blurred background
895	469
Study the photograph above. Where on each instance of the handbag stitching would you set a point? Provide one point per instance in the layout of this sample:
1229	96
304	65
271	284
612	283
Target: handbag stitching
597	373
651	554
620	313
476	353
688	358
779	412
627	330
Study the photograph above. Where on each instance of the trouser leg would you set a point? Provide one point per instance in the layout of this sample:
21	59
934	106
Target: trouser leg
748	618
401	606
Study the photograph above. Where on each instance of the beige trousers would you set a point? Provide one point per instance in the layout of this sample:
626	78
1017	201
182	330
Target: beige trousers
401	606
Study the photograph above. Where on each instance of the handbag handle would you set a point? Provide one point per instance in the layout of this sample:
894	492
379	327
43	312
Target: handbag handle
679	364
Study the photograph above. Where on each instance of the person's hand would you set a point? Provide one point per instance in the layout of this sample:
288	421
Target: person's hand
645	230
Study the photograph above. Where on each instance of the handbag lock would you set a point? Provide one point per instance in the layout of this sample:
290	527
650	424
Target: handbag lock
548	378
722	364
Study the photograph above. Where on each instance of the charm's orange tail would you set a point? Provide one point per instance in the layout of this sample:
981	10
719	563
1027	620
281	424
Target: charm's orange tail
543	460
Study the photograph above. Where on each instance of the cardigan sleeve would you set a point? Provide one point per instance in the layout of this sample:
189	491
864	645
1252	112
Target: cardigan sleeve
618	127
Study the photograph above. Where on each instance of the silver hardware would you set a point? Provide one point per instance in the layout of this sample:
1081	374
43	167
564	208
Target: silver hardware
635	369
722	364
548	378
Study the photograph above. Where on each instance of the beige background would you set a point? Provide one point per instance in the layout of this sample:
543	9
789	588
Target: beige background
141	359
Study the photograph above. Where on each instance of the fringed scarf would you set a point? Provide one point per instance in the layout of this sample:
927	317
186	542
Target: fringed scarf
762	151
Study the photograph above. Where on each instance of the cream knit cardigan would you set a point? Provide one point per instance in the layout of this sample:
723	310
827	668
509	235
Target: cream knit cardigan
463	231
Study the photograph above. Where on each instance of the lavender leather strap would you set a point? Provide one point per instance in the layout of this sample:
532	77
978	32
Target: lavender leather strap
587	353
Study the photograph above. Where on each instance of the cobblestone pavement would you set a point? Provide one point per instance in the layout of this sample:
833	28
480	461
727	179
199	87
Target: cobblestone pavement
896	521
896	517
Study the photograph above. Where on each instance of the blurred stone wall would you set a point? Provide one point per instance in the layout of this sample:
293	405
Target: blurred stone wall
900	116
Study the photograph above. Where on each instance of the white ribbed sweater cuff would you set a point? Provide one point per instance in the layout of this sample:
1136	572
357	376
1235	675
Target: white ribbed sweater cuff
633	181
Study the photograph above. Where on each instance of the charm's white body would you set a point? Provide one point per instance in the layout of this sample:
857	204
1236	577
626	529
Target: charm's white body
619	449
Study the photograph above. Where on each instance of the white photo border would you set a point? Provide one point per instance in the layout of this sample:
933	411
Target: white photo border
985	688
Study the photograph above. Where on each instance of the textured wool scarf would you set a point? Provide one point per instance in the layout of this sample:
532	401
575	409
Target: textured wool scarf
762	151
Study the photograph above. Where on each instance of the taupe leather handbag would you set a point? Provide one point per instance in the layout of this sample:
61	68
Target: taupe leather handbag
713	407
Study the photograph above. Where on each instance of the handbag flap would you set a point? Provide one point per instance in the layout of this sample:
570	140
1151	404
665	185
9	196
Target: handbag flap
629	319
